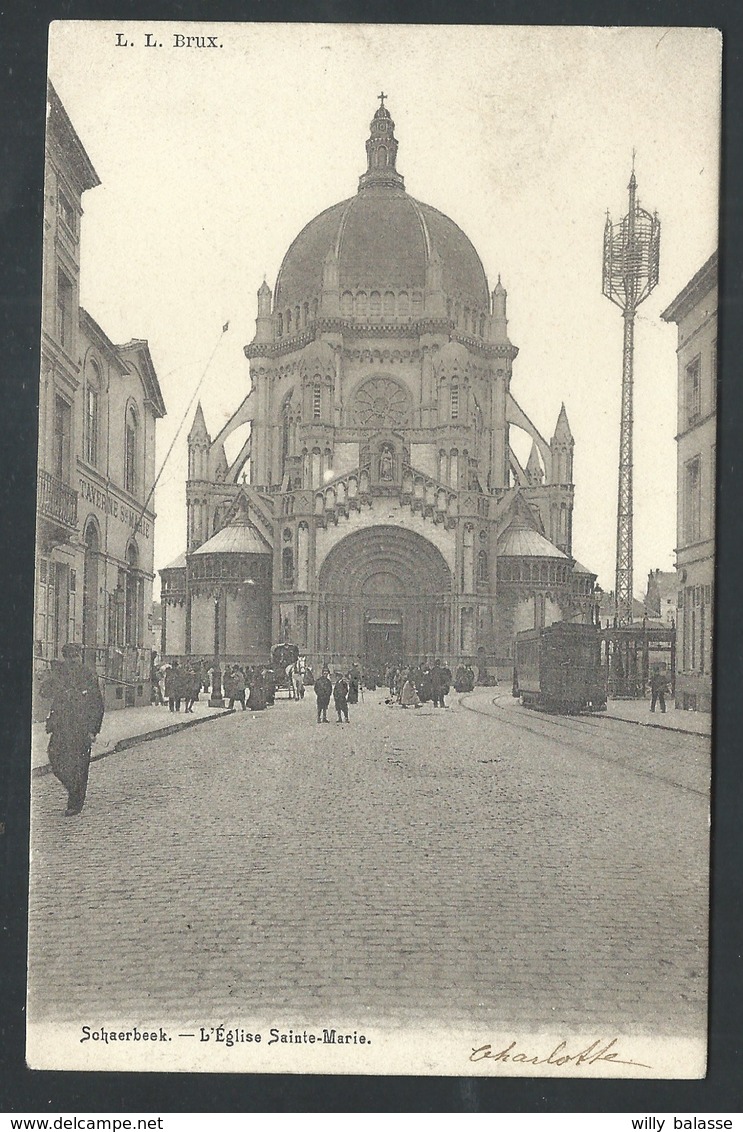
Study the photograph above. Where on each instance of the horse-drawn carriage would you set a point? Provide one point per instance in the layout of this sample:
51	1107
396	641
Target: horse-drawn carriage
290	669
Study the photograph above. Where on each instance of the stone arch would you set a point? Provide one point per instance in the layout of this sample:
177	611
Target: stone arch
385	584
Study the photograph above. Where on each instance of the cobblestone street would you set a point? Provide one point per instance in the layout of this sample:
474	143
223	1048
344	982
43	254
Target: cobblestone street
484	864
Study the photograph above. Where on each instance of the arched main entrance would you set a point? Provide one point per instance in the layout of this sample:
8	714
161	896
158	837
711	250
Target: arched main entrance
385	595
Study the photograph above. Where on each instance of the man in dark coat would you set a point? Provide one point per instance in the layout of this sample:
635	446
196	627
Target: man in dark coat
74	721
440	682
323	691
658	689
173	687
340	695
354	680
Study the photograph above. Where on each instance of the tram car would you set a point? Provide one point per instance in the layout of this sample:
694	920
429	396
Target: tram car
559	668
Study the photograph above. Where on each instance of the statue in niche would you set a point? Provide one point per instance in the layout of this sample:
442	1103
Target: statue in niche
386	464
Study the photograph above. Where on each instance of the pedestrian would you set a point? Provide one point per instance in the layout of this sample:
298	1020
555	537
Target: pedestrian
440	683
354	679
409	696
269	683
257	691
172	687
658	689
340	696
239	684
74	721
323	692
156	695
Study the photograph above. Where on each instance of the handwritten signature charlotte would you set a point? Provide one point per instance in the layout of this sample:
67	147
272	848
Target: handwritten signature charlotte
560	1055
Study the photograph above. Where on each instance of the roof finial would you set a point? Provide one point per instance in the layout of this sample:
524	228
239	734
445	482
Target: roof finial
381	98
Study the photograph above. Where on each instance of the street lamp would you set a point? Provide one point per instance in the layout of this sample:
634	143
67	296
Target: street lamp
216	698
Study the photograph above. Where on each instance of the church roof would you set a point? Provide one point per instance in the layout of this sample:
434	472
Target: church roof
238	537
579	568
382	237
178	563
522	542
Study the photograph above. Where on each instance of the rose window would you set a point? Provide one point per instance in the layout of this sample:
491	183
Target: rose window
382	403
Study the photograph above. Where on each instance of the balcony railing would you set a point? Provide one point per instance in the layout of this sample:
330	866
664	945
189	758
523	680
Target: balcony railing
56	500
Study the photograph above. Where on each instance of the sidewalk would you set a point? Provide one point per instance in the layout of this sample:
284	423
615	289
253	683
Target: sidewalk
638	711
125	728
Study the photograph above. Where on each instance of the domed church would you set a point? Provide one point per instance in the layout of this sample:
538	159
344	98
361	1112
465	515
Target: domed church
376	509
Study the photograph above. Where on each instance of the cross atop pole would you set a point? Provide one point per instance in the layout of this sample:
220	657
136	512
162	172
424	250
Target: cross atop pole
381	98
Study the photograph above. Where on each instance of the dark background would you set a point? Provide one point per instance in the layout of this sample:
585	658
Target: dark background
23	42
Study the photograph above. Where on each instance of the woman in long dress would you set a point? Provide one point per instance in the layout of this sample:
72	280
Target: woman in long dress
409	697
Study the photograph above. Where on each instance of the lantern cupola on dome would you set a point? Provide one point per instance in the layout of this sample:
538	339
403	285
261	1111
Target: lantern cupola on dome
381	152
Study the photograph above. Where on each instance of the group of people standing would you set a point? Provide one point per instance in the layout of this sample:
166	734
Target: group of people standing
250	687
344	689
419	684
178	685
175	684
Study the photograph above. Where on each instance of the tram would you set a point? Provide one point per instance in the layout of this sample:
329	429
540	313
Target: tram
559	668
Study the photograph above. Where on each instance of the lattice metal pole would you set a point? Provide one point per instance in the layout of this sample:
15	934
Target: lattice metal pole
631	266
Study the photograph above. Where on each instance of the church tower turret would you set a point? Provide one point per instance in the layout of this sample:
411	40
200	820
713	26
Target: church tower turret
499	320
264	322
199	442
381	152
562	445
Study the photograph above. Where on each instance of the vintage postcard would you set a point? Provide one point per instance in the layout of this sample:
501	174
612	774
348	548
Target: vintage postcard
379	371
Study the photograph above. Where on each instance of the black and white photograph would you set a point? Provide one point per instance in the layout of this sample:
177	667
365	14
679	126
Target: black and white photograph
378	375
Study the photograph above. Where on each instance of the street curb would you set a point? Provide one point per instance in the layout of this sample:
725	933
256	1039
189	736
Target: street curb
634	722
145	737
657	726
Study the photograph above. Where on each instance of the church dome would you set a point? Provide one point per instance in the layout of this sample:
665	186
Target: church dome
382	242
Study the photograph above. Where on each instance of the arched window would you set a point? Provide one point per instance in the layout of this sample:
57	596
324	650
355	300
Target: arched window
281	325
131	450
361	307
92	413
90	584
306	314
482	325
347	304
403	304
288	322
287	566
375	304
285	433
314	308
389	304
303	557
454	469
133	595
382	156
296	316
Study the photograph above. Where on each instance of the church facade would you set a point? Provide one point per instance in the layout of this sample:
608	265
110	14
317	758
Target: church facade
377	509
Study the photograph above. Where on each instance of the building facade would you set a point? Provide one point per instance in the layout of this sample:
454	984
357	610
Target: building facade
661	597
98	404
389	515
694	311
